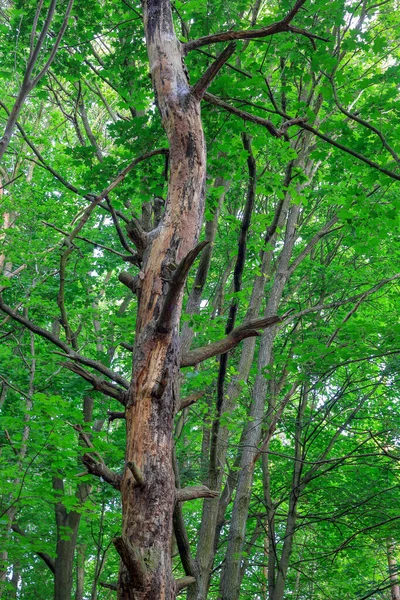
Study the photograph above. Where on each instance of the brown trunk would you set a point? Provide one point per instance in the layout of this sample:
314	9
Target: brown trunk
145	545
67	523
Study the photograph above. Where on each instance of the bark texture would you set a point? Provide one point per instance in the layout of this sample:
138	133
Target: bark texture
148	509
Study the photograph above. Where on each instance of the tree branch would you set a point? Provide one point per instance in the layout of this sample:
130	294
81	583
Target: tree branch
357	155
325	230
28	82
176	284
183	582
301	122
337	303
69	353
120	177
98	468
133	562
129	280
136	472
364	123
113	415
108	586
45	557
95	244
250	34
137	235
182	540
273	130
193	492
230	65
205	80
240	333
117	226
191	399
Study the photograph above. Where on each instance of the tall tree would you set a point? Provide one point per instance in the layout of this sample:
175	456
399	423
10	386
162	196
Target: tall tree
295	217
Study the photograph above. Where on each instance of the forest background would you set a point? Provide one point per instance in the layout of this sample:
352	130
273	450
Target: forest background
264	460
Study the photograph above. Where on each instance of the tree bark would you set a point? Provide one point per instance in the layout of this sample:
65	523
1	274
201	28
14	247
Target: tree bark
148	509
80	572
67	533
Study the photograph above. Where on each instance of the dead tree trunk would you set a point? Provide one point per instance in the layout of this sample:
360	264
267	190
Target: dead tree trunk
148	487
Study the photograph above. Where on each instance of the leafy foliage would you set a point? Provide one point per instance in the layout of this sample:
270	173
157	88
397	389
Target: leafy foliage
326	483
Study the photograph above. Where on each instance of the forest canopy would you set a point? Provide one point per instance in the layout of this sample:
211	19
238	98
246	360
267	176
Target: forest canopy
199	299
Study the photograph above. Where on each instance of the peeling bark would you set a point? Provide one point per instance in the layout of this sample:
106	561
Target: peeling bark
153	395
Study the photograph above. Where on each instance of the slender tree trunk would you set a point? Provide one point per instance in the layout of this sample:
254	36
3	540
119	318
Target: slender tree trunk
214	509
68	528
80	572
393	569
67	532
230	578
145	545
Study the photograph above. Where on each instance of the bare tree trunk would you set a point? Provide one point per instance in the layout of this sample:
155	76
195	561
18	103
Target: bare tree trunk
145	545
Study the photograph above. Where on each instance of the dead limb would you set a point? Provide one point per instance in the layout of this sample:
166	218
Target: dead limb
191	399
127	346
133	562
136	472
184	582
98	366
206	79
195	491
98	384
129	280
113	415
176	284
138	236
98	468
238	334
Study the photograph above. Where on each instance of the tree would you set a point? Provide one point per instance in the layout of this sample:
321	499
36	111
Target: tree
281	185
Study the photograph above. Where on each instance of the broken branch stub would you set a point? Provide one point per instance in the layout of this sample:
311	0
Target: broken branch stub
99	469
129	280
183	582
136	472
195	491
137	235
133	562
176	284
